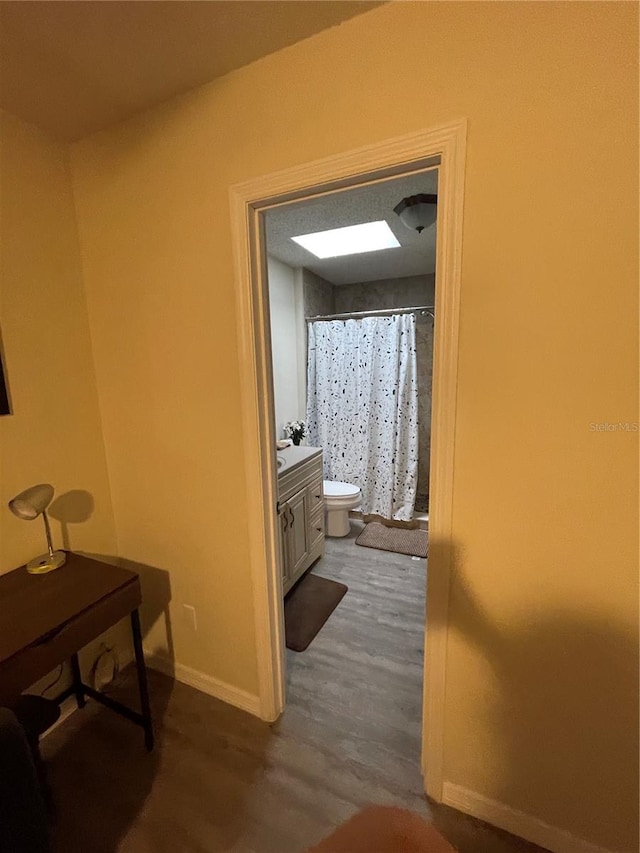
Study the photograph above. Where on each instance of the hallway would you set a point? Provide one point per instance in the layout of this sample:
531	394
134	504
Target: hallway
221	780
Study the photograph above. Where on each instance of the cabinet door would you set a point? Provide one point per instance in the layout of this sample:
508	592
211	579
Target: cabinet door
297	532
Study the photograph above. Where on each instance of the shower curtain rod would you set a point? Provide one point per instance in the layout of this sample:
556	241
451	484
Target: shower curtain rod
424	309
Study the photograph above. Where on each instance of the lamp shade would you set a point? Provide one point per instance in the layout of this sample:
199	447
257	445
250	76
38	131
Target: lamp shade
418	211
30	503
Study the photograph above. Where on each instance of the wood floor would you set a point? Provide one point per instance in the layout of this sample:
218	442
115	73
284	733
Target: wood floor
220	780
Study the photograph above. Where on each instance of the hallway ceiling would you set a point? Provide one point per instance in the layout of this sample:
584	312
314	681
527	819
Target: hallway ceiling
417	252
73	68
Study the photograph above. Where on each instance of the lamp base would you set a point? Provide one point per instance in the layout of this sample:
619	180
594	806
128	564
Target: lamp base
45	563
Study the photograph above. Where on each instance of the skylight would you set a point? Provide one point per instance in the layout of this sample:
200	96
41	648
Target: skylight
352	240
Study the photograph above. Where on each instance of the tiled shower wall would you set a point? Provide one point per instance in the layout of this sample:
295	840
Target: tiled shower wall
322	298
319	298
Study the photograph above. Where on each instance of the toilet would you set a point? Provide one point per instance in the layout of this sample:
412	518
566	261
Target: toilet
339	498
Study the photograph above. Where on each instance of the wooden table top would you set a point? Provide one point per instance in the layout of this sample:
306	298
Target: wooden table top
35	606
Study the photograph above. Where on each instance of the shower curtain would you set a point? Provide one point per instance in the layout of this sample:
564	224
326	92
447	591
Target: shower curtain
362	408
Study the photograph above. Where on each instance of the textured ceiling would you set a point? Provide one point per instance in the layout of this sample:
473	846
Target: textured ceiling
73	68
416	255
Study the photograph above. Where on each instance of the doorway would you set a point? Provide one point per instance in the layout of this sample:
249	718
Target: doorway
445	147
358	379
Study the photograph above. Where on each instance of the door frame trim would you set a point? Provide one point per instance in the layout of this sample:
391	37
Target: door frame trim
446	147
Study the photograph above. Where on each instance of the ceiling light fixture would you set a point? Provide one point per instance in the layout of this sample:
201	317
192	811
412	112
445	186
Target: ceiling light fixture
352	240
418	212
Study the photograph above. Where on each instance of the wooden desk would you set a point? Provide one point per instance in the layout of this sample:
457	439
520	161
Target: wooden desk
46	619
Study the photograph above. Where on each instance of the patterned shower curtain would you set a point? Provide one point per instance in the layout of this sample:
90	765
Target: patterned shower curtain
362	408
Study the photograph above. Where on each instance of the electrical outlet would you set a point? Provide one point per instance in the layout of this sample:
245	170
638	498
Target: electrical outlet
190	616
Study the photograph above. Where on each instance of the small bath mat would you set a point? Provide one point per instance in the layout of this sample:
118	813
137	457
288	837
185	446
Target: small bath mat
413	542
307	607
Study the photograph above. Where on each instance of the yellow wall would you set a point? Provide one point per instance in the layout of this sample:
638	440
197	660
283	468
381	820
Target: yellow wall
54	434
542	664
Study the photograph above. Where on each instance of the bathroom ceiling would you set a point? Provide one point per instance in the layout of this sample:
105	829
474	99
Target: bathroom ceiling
73	68
417	252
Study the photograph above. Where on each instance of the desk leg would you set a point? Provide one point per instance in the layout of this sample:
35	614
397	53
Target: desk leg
142	679
77	681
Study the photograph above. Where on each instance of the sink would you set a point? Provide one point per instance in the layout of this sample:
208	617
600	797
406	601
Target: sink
281	462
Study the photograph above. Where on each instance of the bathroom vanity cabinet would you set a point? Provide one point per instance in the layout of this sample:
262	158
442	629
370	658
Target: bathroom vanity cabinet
301	511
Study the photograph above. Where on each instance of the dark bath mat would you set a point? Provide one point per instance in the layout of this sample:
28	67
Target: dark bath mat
307	607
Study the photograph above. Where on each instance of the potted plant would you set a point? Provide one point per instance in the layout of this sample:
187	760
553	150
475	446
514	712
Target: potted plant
295	430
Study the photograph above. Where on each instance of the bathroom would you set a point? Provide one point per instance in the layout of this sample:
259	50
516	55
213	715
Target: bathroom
352	332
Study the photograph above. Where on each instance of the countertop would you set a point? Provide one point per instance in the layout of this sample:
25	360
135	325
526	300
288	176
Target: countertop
294	456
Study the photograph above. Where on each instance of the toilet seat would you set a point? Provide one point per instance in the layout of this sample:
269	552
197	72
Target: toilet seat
336	489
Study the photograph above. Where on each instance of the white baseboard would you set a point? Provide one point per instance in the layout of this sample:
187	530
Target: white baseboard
67	707
206	684
516	822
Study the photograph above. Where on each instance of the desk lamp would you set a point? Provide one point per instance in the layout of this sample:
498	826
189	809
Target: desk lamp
29	505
